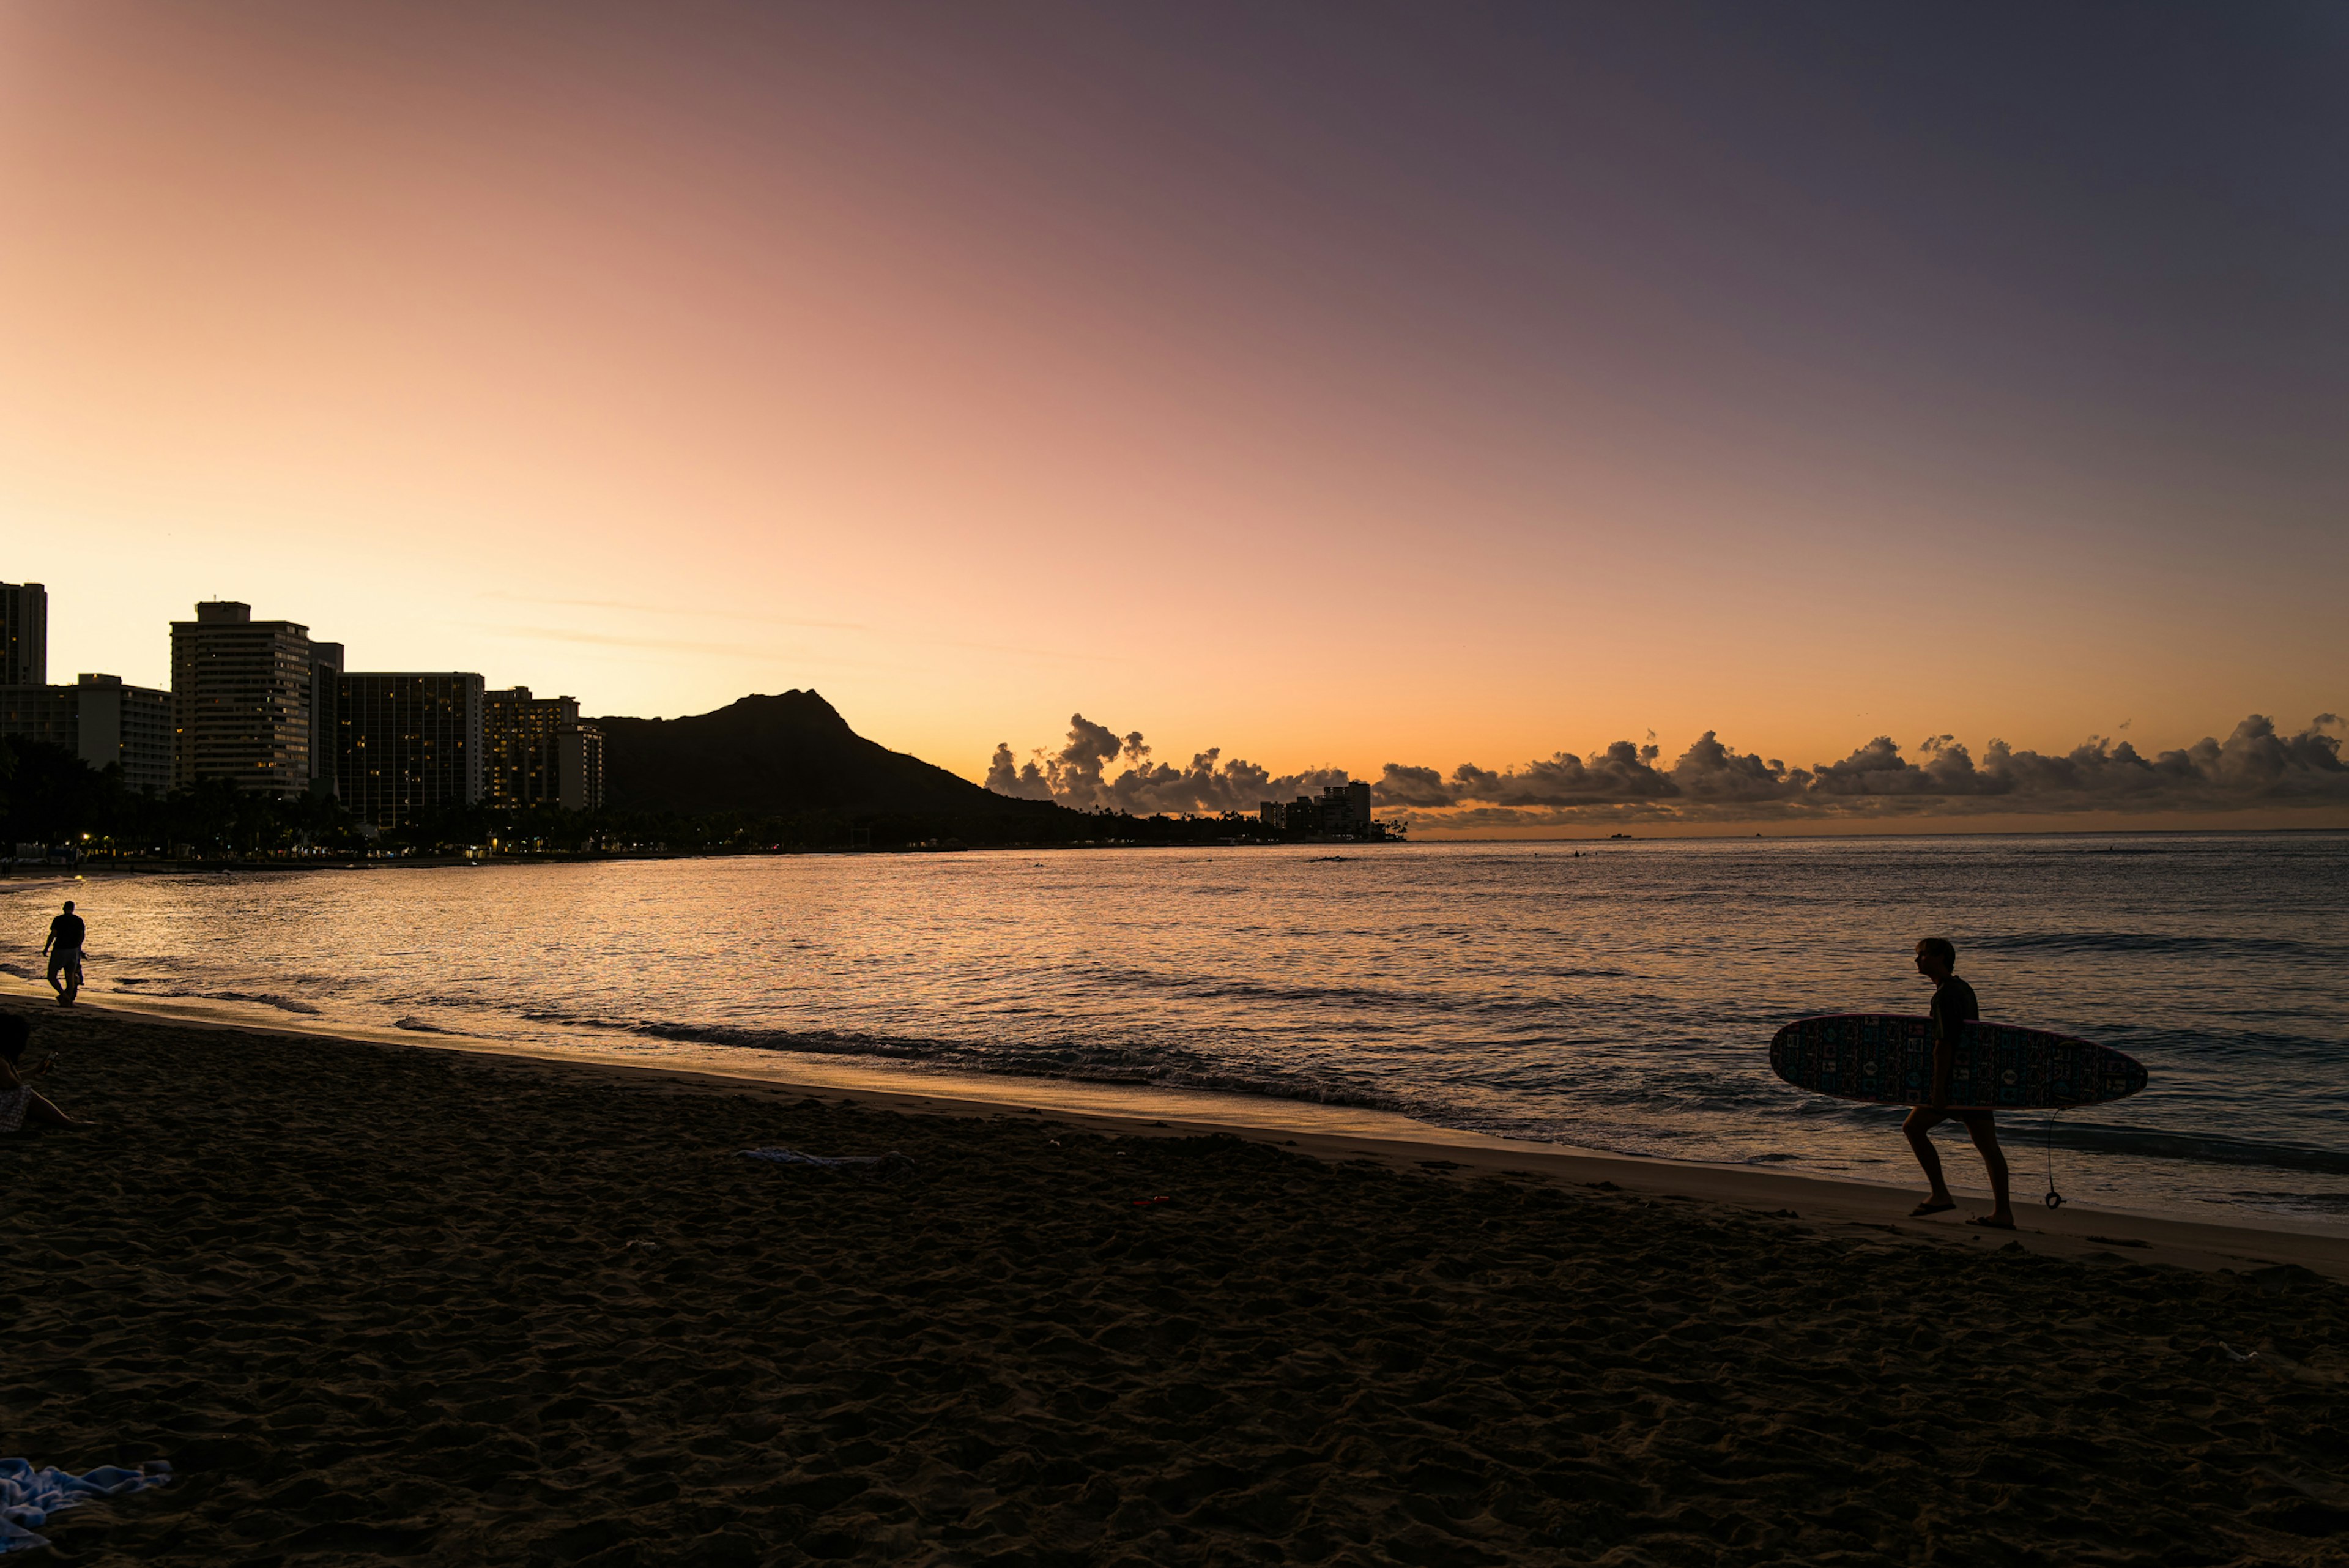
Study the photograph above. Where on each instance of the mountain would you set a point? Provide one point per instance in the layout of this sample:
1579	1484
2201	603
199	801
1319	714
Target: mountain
777	756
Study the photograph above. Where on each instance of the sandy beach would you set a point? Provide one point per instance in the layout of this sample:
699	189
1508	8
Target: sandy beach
383	1303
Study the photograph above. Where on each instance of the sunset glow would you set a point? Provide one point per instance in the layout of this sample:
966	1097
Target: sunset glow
1425	390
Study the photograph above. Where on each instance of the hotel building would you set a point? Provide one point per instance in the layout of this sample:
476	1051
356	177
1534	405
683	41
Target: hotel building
242	704
408	745
535	752
23	634
102	722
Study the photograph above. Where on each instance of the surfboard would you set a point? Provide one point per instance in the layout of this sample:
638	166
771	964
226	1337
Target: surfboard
1887	1059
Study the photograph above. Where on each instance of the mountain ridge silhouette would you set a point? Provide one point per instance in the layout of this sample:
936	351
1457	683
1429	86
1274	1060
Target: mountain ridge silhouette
781	753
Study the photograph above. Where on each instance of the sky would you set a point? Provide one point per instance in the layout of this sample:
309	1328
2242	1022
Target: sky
1336	386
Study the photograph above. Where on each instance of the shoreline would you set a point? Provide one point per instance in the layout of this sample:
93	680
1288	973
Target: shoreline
1326	1132
160	867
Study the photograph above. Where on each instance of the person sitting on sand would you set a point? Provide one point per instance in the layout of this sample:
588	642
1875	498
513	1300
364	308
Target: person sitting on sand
1953	1008
18	1103
64	948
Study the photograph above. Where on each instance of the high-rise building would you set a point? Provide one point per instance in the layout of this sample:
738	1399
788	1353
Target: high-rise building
1346	808
241	701
408	745
535	752
325	672
23	634
128	727
45	713
521	761
580	748
102	722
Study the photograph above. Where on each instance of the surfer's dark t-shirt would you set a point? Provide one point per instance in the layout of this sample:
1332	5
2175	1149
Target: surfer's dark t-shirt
67	930
1954	1006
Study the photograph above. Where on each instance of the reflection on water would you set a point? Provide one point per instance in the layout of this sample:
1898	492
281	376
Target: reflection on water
1622	999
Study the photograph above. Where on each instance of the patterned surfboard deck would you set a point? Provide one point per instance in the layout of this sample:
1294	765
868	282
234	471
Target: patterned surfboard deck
1887	1059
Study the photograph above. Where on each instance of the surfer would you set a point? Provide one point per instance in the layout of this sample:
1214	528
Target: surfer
1953	1008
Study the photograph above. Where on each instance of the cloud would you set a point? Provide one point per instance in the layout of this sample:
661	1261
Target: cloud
1079	776
1708	771
2256	765
1401	786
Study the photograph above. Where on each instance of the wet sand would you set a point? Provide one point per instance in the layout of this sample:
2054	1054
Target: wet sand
379	1303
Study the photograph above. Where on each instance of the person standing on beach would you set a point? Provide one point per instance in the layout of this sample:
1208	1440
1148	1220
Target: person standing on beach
1954	1007
64	948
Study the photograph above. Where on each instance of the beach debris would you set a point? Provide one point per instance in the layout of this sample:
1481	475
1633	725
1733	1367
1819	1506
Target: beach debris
28	1497
2119	1242
885	1166
2282	1366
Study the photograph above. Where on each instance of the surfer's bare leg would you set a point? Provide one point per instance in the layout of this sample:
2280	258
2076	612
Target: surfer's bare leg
1919	1130
1984	1129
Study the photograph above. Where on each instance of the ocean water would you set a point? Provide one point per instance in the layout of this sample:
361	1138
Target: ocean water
1618	995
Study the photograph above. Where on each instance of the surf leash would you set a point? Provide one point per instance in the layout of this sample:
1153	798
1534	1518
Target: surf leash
2053	1200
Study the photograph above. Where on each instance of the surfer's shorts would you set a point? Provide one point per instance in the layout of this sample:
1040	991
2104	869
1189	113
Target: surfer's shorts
65	959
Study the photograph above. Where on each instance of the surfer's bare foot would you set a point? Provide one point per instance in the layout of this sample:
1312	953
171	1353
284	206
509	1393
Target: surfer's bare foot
1930	1207
1994	1221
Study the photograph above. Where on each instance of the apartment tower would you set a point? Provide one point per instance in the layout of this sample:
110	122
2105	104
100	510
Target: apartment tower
241	702
408	746
23	634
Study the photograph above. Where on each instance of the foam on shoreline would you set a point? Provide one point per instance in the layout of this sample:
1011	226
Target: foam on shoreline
1335	1132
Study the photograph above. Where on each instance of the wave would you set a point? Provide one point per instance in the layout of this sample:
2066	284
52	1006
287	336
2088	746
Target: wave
2148	942
2203	1149
2321	1203
1107	1063
261	998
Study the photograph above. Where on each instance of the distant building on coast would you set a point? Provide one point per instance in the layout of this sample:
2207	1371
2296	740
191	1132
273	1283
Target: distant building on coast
325	731
1346	808
101	721
580	748
23	634
408	745
520	763
1343	811
535	752
243	701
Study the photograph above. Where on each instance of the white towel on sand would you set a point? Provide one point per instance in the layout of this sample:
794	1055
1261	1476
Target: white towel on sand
28	1496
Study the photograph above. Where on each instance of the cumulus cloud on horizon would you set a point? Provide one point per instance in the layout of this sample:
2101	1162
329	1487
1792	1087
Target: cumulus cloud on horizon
2257	765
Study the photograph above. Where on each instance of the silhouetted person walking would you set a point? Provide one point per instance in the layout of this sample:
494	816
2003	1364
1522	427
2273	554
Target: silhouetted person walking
1953	1008
64	948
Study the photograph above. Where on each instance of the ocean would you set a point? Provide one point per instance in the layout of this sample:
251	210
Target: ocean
1617	995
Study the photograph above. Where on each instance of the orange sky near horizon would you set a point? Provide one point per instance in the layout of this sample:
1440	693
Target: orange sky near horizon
1391	391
